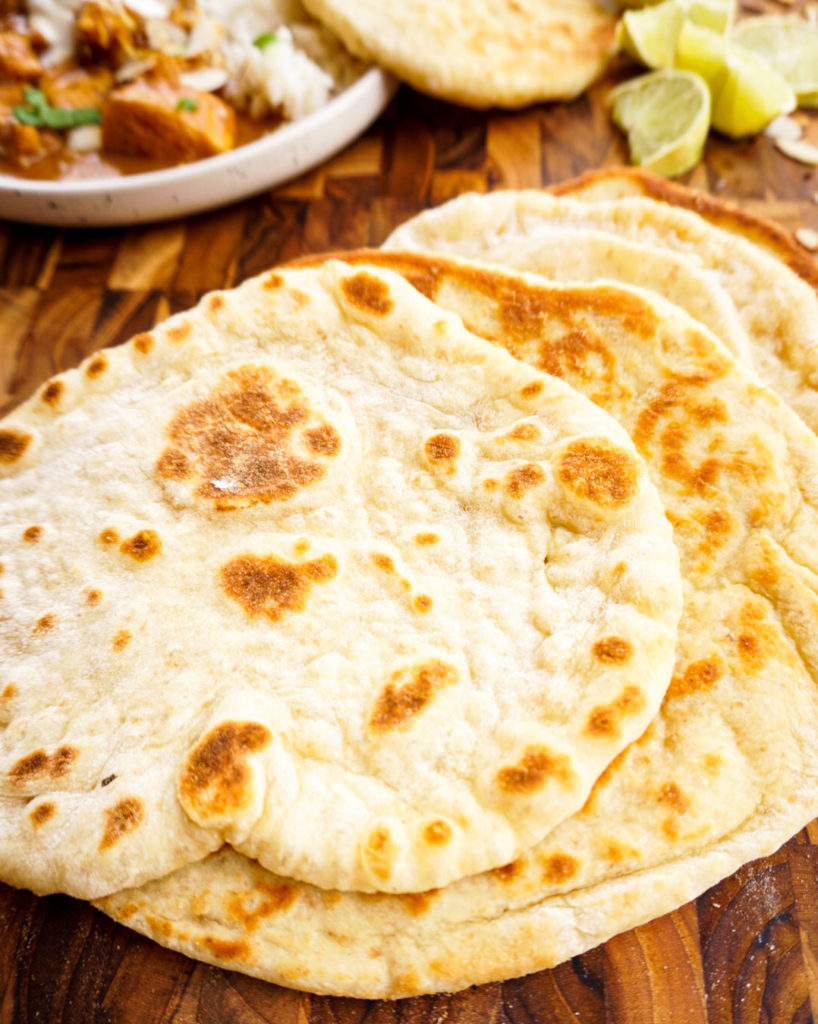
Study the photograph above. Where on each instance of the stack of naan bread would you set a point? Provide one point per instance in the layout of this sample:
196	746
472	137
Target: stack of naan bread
415	618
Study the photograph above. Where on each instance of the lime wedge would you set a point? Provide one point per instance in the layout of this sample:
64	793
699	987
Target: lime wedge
717	15
666	115
649	35
790	45
750	94
703	51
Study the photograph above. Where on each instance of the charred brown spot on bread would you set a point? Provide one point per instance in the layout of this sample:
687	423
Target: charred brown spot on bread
42	812
92	596
599	472
612	650
9	691
698	675
254	438
323	440
712	763
422	603
109	536
13	444
383	562
490	484
142	546
523	478
121	640
559	867
45	624
418	903
159	926
508	872
216	775
408	692
369	293
173	465
30	766
536	767
533	389
671	796
525	310
215	302
273	281
614	852
750	649
52	393
266	899
179	332
425	538
605	720
718	525
97	365
757	640
267	585
61	760
39	763
669	396
32	534
438	832
143	343
580	353
524	432
378	852
226	949
442	449
707	413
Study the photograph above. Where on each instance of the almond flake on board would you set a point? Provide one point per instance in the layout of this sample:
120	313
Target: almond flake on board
808	238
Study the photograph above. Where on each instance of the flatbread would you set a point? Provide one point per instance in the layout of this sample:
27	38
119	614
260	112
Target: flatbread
482	53
627	182
275	575
776	307
726	772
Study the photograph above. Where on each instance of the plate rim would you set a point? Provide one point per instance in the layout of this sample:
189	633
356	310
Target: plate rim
373	89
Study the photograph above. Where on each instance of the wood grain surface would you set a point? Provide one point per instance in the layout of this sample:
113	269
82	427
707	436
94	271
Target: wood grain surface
745	952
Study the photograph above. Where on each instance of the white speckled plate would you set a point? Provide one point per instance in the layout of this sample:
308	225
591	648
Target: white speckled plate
189	188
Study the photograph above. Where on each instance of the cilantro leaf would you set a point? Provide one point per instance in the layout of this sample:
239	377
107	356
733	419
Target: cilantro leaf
40	114
187	103
264	40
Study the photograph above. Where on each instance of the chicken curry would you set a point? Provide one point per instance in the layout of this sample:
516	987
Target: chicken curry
119	105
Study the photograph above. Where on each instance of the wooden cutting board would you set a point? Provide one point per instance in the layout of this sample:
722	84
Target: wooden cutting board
747	950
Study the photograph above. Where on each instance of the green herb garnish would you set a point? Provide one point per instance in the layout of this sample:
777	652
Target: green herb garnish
264	40
39	113
186	103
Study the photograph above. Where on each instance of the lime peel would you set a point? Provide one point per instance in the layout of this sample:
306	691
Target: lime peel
666	116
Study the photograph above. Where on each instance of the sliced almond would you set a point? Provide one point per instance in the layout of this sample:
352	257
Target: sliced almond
204	79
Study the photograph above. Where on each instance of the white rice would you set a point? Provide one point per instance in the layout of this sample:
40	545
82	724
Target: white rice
293	75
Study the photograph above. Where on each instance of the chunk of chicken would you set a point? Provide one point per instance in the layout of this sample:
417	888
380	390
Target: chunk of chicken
76	88
17	57
104	35
22	144
167	121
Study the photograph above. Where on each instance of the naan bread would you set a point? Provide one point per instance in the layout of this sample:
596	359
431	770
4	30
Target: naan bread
726	772
483	53
313	571
776	307
625	182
